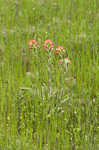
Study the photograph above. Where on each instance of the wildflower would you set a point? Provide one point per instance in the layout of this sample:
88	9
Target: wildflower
59	49
32	44
48	44
66	60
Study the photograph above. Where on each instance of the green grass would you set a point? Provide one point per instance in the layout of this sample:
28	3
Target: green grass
43	106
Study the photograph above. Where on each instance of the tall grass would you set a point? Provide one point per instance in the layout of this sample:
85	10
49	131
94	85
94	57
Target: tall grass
42	105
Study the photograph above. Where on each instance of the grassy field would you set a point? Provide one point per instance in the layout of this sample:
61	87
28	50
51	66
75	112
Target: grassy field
43	105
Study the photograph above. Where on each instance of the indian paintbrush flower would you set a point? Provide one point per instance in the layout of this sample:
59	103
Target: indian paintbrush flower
48	44
64	61
59	50
32	44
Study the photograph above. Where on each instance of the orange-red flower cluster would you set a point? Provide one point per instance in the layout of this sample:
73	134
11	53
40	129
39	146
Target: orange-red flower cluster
48	44
32	44
59	49
65	60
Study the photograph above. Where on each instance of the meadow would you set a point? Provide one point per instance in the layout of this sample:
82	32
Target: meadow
44	105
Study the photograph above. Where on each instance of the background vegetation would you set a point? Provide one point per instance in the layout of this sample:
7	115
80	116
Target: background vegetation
43	106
